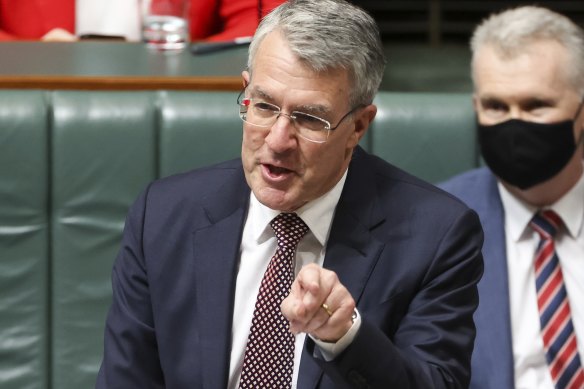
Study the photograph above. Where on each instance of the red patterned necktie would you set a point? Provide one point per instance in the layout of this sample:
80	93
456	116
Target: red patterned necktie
559	338
269	354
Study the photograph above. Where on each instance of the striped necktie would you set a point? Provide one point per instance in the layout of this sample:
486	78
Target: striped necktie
559	338
268	362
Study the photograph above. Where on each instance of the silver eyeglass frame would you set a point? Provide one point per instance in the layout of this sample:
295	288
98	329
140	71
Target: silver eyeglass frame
277	113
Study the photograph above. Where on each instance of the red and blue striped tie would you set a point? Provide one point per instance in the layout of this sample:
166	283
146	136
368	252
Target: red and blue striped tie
559	338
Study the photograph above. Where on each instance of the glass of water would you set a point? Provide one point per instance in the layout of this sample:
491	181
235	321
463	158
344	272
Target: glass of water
165	25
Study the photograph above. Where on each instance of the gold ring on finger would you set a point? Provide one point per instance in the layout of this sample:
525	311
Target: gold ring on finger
327	309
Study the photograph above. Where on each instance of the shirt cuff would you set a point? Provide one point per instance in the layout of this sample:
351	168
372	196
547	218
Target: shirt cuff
331	350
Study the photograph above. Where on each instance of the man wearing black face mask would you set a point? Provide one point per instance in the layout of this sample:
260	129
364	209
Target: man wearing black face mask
528	73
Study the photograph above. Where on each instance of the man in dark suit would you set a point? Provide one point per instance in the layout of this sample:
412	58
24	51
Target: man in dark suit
384	277
528	72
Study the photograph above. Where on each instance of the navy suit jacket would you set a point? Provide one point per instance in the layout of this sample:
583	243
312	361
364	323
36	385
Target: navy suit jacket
409	253
492	361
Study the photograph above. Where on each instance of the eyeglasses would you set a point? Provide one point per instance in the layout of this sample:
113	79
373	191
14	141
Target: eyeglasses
261	114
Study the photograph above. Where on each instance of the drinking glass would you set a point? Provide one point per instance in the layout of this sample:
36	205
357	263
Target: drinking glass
165	25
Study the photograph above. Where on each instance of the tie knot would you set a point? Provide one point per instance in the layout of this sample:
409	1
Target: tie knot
546	223
289	229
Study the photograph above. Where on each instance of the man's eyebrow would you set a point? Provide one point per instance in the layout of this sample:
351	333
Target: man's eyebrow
259	93
489	97
490	100
314	109
529	100
539	101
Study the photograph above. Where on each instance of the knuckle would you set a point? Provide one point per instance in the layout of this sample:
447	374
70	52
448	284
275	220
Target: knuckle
351	306
330	277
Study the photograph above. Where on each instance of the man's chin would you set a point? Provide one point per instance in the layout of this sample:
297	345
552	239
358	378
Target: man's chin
276	199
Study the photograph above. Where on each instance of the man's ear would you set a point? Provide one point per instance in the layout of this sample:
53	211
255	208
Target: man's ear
579	118
245	78
475	102
362	120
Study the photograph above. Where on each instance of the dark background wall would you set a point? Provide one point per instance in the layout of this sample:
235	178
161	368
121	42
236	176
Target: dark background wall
448	21
427	40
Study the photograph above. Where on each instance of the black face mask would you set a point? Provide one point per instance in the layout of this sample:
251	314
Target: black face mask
525	154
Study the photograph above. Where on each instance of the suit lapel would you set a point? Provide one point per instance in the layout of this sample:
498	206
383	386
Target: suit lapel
216	248
351	250
352	255
493	317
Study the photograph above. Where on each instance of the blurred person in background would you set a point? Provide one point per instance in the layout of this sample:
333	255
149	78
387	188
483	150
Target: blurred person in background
528	74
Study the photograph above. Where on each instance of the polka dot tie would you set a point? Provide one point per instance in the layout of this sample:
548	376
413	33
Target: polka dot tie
559	338
269	353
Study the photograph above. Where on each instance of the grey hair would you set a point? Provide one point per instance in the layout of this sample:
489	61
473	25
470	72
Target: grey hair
510	33
329	34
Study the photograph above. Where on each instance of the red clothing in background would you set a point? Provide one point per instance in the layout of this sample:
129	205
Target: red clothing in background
209	19
227	19
31	19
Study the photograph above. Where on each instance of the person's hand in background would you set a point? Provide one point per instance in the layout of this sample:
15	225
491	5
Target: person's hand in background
59	35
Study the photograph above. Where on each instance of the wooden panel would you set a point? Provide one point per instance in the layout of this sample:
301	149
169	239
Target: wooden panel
116	66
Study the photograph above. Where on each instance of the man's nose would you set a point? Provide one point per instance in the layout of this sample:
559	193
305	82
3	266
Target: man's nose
516	113
282	134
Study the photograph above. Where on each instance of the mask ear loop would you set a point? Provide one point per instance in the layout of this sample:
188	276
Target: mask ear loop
579	109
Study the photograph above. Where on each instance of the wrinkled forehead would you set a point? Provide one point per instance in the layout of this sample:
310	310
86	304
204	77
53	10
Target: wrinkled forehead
538	64
550	54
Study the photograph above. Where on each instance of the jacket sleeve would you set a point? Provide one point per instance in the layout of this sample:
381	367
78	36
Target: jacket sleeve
130	358
422	336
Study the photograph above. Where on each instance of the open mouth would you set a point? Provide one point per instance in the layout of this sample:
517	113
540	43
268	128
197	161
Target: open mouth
276	171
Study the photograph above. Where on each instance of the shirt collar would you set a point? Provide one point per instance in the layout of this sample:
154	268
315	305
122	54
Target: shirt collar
570	208
317	214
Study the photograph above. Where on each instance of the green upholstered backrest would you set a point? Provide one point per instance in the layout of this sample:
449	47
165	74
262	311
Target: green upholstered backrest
102	148
71	163
24	240
197	129
431	135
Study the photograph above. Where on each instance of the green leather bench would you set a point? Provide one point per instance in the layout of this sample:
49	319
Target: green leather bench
71	162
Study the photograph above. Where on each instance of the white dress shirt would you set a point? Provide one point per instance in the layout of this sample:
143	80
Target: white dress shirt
258	244
531	370
108	17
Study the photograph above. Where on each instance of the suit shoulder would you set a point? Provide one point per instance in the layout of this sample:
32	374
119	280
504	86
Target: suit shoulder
414	188
198	185
472	186
201	179
468	180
